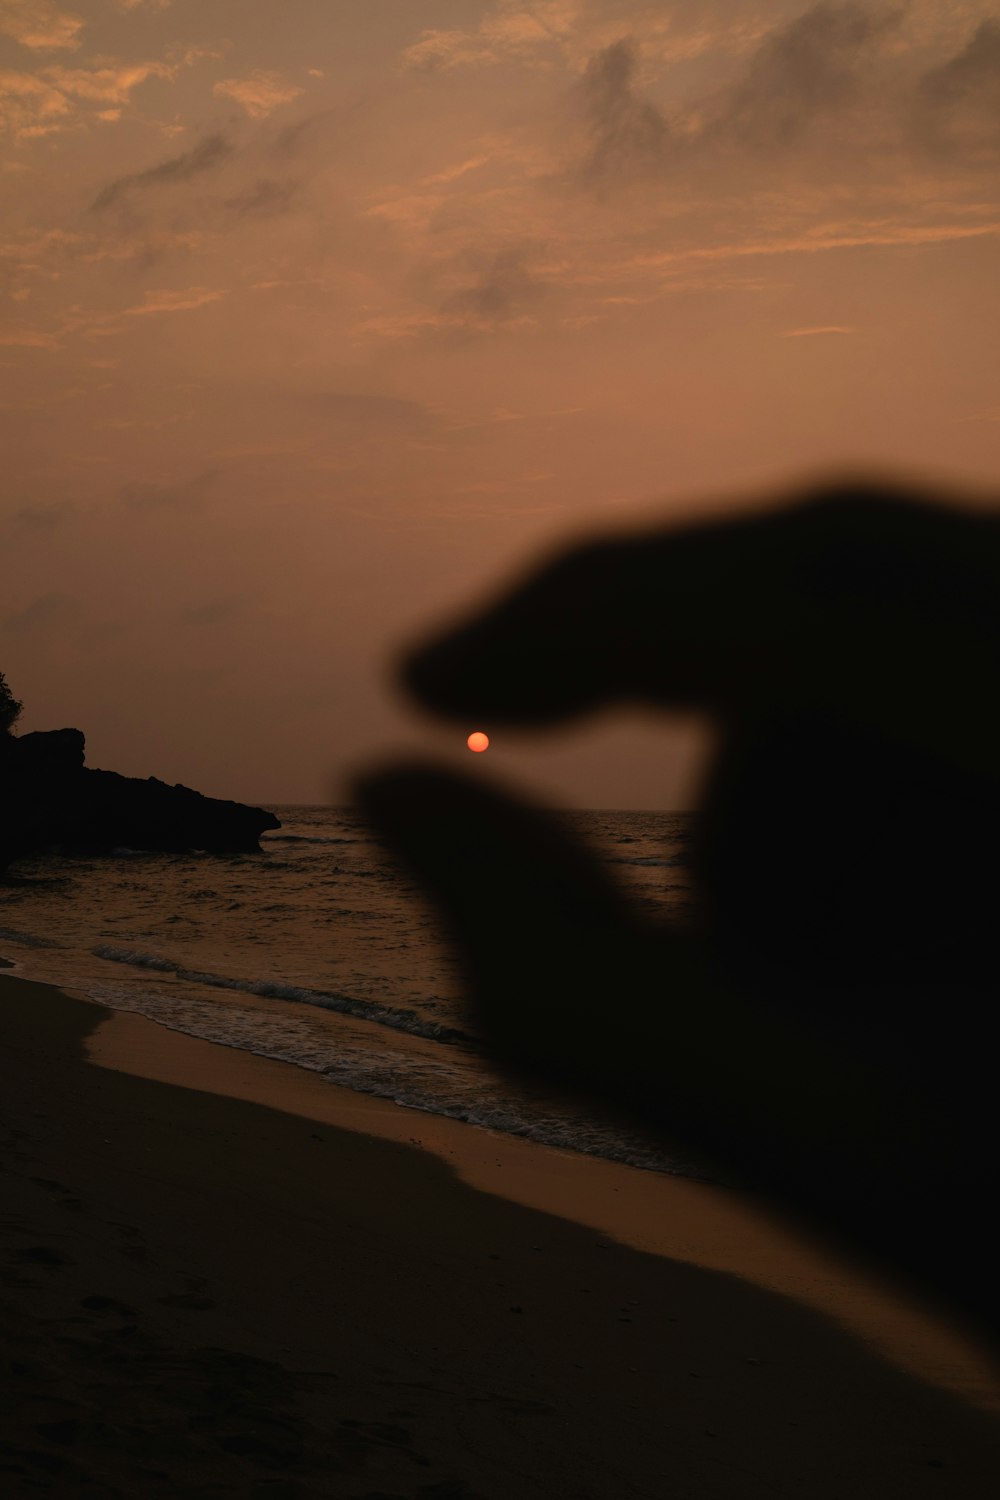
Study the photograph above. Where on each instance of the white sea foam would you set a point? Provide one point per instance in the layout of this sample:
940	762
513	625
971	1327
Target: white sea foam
272	989
313	952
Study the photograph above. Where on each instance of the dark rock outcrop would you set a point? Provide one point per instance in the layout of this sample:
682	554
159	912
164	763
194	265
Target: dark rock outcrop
51	802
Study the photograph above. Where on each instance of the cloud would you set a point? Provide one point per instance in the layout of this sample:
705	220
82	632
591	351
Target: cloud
805	70
505	33
204	157
825	238
260	94
502	287
515	29
808	333
265	197
292	137
40	25
447	49
45	611
178	301
37	104
43	515
29	106
27	338
451	174
111	85
958	101
629	134
986	414
839	73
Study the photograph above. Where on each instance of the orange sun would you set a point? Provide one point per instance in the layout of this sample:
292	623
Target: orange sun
478	741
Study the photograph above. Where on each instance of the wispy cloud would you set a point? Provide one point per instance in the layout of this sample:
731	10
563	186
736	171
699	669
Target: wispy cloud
40	25
262	198
628	134
448	49
34	252
450	174
808	333
110	85
42	515
29	106
27	338
826	239
175	301
987	414
56	97
803	71
547	34
260	93
957	100
810	69
37	104
499	290
507	31
42	613
781	140
204	157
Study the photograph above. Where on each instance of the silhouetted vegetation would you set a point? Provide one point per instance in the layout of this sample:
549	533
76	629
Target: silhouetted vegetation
10	707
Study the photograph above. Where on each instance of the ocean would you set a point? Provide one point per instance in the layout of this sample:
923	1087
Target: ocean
318	952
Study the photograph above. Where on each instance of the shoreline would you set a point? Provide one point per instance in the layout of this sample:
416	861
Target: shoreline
447	1256
708	1225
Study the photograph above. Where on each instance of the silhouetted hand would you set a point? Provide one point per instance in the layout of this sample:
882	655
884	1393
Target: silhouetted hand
824	1025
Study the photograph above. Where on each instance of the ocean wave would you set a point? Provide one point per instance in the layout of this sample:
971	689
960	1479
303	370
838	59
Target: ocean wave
338	916
677	861
302	838
561	1133
271	989
414	1083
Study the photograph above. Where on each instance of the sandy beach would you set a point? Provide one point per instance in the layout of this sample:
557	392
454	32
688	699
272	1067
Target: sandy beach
222	1276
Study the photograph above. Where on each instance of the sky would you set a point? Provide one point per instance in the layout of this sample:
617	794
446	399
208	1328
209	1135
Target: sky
319	321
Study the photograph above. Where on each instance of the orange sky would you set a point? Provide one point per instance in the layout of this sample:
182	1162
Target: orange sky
317	318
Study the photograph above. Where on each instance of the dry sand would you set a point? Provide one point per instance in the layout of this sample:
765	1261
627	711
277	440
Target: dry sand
259	1285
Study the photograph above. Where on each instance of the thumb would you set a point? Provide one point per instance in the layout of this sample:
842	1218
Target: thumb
564	983
538	926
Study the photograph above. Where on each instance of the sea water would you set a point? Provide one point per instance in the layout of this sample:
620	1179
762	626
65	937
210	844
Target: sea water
317	951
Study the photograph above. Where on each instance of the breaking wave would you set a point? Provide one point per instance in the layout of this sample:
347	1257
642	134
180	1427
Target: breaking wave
270	989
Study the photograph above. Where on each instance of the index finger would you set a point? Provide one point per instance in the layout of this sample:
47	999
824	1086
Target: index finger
857	600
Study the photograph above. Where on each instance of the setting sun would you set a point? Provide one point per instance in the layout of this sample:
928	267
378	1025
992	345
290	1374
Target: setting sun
478	741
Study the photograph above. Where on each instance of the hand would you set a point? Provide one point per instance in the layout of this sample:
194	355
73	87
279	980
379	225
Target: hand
823	1026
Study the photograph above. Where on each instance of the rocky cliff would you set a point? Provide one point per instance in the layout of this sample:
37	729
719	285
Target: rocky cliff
51	801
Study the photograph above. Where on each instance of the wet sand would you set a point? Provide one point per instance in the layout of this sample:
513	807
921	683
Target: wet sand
229	1278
